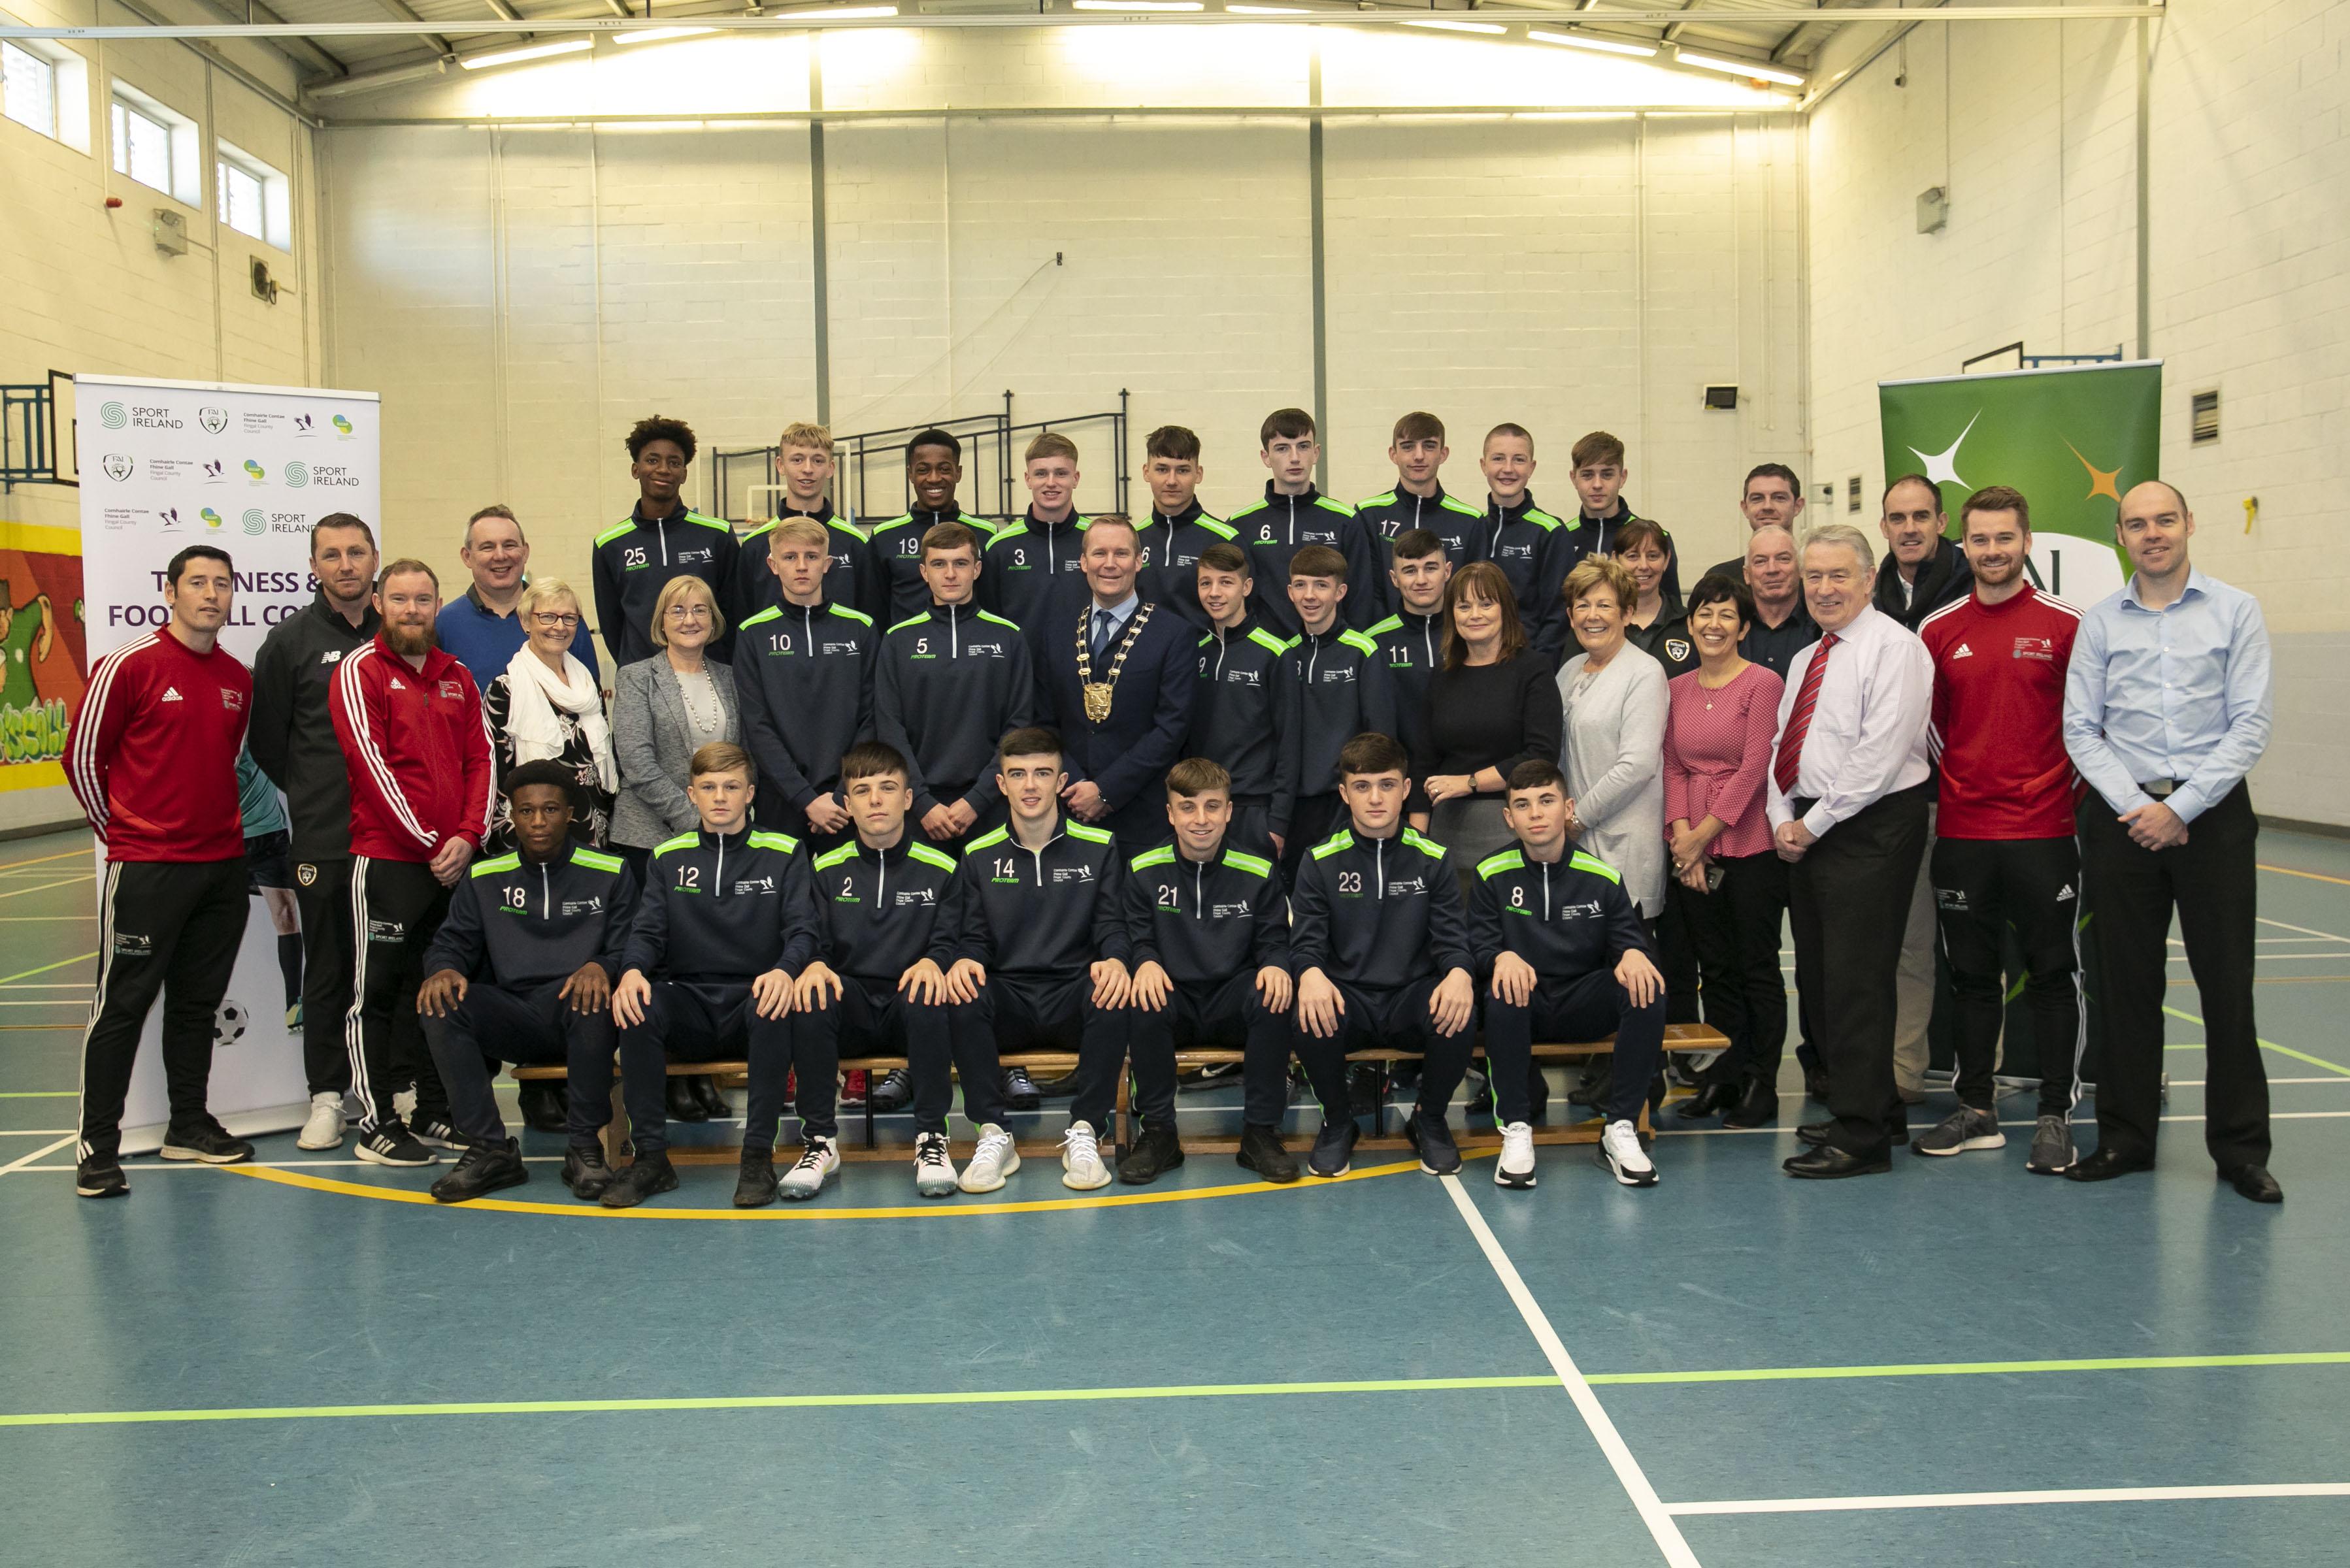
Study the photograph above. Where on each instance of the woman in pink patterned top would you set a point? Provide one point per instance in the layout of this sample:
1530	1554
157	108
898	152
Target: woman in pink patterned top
1729	881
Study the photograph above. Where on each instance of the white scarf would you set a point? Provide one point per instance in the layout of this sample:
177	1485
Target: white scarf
533	693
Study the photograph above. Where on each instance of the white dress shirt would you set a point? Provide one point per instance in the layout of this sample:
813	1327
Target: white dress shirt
1867	737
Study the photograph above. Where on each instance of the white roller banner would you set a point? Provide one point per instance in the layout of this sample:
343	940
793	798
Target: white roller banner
165	464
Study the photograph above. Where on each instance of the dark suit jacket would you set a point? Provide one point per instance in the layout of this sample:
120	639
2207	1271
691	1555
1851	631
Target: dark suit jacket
1127	755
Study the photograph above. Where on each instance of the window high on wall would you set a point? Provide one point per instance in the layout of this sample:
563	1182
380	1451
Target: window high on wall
155	146
253	199
44	87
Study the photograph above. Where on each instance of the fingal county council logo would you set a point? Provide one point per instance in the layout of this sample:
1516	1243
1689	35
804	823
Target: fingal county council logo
211	518
256	521
256	472
113	416
214	421
342	427
120	468
296	475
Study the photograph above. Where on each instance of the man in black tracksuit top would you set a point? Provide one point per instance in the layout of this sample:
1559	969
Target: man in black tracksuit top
1535	551
803	679
854	578
1246	706
1033	568
725	922
1276	526
661	538
1343	691
1388	516
522	969
950	684
1411	640
1182	539
879	983
292	739
933	471
1565	955
1040	950
1380	950
1210	936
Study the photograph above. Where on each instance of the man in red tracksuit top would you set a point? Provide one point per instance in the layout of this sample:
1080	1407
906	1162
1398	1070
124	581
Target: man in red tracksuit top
418	751
153	759
2004	853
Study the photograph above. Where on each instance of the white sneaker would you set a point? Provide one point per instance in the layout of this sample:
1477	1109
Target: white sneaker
818	1163
1621	1154
992	1162
325	1128
1081	1160
934	1171
1516	1165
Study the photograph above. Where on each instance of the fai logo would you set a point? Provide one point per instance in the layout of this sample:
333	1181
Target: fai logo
1676	649
307	875
214	421
120	468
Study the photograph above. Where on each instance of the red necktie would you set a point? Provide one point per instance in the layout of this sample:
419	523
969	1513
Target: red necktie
1799	720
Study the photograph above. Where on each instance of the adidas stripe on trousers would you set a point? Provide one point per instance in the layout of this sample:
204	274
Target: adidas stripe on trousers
396	906
165	926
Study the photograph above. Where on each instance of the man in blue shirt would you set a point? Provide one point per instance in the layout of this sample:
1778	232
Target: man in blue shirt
2167	707
484	629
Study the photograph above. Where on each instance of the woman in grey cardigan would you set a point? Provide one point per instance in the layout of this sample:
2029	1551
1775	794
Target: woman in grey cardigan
1615	699
664	708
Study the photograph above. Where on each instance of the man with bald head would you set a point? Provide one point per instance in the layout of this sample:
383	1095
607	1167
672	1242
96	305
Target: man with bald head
2167	705
1846	796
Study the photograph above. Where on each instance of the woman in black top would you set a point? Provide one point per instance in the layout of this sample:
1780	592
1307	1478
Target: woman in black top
1656	623
1494	705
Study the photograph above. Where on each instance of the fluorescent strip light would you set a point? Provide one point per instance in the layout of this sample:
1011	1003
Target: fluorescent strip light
1461	26
1136	6
1585	41
529	52
840	12
1268	11
655	35
1738	69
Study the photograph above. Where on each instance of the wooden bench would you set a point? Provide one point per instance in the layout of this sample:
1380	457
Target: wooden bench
1680	1038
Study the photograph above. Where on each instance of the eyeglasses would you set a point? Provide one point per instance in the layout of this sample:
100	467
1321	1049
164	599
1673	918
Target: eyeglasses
551	621
689	612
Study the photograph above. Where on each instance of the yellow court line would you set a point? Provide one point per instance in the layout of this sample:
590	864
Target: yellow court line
2312	875
84	853
2272	1045
77	958
924	1211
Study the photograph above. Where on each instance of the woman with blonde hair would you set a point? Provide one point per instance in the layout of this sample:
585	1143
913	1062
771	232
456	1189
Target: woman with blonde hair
547	707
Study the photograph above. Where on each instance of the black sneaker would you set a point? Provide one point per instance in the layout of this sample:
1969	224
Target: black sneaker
433	1128
1020	1091
1154	1154
1439	1155
754	1187
209	1142
100	1178
482	1171
1263	1151
392	1144
585	1172
894	1092
651	1174
1334	1148
543	1105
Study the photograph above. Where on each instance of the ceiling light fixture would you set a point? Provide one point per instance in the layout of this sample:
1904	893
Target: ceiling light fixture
528	52
1137	4
1585	41
839	13
1268	11
656	35
1461	26
1749	69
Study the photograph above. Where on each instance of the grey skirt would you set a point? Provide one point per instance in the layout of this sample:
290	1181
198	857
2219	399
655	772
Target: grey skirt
1471	827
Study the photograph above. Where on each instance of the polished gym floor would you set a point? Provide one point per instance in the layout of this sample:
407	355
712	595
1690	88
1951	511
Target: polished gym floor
304	1362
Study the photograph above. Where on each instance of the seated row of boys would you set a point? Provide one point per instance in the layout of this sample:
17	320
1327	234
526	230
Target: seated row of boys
1046	936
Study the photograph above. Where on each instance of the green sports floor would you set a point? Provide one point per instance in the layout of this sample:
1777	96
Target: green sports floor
302	1362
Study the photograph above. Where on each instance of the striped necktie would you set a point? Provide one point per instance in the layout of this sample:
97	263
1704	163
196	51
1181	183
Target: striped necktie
1799	719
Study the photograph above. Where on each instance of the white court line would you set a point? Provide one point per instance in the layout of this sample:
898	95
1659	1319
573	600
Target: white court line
163	1164
38	1153
2085	1122
2199	1083
20	892
2008	1499
52	1132
2304	931
1635	1481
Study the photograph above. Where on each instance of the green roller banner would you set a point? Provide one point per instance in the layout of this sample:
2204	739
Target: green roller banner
2074	440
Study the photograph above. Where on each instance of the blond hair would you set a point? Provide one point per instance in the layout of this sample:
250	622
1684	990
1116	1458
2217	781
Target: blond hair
1593	571
683	586
797	531
799	432
543	591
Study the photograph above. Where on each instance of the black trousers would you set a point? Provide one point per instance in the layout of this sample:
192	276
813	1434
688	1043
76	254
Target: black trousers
872	1017
1034	1012
2211	881
1981	886
396	906
1211	1017
534	1026
168	927
1391	1018
1849	898
700	1021
1735	929
1677	958
322	900
1583	1007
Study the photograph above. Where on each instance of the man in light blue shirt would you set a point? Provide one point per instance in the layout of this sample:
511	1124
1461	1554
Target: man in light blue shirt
2167	707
